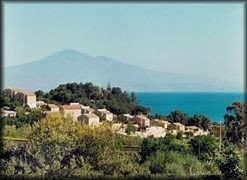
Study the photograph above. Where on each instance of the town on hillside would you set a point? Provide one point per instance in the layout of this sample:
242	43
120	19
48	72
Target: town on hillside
125	124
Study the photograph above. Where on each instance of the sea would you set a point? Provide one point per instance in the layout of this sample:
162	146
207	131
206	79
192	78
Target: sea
212	105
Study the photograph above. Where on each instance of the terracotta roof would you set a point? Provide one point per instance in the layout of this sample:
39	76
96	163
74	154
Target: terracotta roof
161	121
87	108
143	117
178	124
192	127
104	111
90	115
28	93
52	106
166	122
16	89
71	107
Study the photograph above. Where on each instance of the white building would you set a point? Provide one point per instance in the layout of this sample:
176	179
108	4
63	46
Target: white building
105	114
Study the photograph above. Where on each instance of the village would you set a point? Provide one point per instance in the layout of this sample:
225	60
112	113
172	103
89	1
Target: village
144	127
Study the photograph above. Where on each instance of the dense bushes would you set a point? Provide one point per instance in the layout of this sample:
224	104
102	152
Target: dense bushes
113	99
59	147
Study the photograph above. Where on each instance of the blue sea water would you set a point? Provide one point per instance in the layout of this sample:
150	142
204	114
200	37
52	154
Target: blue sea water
212	105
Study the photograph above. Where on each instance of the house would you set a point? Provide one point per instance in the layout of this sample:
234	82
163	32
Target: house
24	97
53	107
142	120
86	110
73	109
161	123
40	104
89	119
105	114
156	131
125	118
177	127
11	92
195	130
8	113
30	99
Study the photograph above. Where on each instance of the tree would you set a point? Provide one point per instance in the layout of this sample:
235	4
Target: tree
204	147
177	116
108	86
231	166
130	128
235	122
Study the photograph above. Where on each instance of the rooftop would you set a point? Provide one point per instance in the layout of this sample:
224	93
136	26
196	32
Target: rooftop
71	107
128	115
142	117
104	111
92	115
178	124
52	106
191	127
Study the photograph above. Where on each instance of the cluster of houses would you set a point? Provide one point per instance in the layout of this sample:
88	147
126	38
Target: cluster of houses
87	115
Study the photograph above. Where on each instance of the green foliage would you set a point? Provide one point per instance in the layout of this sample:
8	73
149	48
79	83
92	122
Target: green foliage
12	132
204	147
113	98
175	164
130	128
231	165
1	134
59	146
167	144
6	101
200	121
24	116
235	121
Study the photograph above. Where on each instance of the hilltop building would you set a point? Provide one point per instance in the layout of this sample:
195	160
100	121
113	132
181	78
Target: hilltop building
105	114
89	119
23	96
73	109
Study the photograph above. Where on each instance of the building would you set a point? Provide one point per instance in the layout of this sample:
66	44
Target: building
40	104
24	97
156	131
89	119
196	131
86	110
104	114
125	118
73	109
142	120
8	113
53	107
177	127
162	123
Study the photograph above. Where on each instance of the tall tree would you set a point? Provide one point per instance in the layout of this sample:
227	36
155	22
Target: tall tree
235	121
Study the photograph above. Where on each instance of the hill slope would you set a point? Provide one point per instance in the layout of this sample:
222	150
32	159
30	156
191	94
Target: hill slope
72	66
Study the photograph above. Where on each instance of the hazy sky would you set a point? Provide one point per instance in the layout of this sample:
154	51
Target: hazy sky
204	39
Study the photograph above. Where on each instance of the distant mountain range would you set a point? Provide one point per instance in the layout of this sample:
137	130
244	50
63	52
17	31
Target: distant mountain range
72	66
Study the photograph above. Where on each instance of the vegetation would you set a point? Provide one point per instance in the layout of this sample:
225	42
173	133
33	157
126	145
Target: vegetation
200	121
235	121
130	128
57	146
113	99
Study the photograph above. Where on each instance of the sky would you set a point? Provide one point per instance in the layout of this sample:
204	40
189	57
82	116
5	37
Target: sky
195	38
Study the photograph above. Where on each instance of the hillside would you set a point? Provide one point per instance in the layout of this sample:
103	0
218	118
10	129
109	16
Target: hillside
73	66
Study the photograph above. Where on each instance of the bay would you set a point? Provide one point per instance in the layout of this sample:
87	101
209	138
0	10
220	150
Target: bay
212	105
